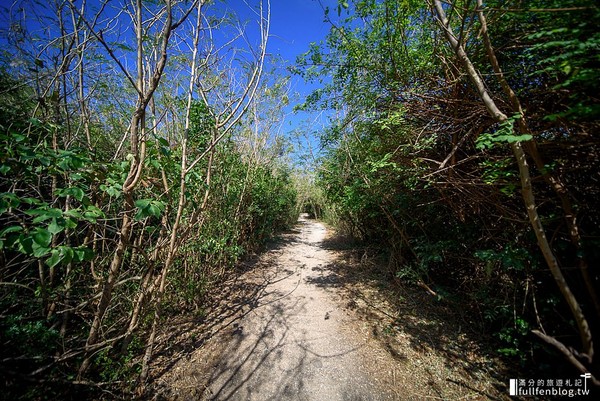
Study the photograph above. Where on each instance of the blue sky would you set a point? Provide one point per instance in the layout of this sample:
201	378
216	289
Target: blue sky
294	25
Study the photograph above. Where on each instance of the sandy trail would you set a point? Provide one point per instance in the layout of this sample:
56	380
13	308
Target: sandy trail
295	342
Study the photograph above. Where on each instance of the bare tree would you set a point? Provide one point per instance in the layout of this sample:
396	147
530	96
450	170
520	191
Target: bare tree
145	87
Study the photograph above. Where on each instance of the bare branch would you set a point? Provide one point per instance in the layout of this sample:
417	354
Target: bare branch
100	39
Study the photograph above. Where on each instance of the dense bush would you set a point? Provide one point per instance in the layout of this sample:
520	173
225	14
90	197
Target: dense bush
418	164
108	229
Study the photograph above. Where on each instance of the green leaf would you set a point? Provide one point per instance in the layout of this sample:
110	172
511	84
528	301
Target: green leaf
44	160
39	250
56	225
74	192
142	203
82	253
43	214
35	122
9	240
154	163
148	207
75	213
70	223
68	252
51	213
18	137
61	254
69	160
111	190
42	237
504	134
155	208
513	138
114	191
8	200
11	229
33	201
76	176
54	258
24	244
92	213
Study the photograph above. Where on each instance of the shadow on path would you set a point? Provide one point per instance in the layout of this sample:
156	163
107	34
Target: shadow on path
279	335
281	330
404	316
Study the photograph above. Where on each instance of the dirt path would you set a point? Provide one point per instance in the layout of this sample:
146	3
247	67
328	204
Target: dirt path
295	343
291	328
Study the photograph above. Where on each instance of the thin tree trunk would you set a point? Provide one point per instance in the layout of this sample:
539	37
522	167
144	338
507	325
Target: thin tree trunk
174	240
173	247
128	187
